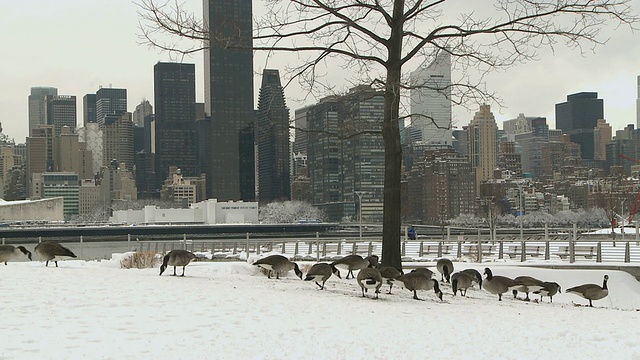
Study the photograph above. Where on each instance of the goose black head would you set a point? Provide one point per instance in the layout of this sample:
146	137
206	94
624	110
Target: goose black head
297	270
335	271
436	289
25	251
162	268
488	272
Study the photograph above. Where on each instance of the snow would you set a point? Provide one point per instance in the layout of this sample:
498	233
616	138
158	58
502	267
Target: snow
230	310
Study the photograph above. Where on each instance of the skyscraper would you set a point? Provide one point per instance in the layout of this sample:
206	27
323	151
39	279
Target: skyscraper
88	109
230	160
37	105
483	144
109	101
175	119
61	111
602	135
142	110
578	116
272	139
117	140
431	101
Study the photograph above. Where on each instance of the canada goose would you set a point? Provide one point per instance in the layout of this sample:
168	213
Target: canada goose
591	291
10	252
424	270
322	272
350	263
527	284
52	251
390	275
475	276
417	280
497	285
461	281
278	264
445	267
369	278
176	258
549	289
374	261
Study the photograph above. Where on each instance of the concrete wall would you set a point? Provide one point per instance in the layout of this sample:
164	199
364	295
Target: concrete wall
51	209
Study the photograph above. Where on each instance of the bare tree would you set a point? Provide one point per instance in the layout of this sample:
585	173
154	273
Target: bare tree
376	39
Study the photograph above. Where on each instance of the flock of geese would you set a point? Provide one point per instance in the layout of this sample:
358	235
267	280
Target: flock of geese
371	276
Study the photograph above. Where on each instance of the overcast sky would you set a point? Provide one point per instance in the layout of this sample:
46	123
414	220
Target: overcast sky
79	45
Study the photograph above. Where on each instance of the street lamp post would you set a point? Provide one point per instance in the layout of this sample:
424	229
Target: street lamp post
359	194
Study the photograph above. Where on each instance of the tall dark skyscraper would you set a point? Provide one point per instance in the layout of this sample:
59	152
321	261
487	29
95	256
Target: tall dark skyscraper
89	109
578	117
61	111
229	152
37	105
110	101
175	119
272	138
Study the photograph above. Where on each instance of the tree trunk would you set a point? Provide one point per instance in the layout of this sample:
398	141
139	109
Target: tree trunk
391	255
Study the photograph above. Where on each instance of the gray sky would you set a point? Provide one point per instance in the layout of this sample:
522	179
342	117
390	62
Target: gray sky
78	45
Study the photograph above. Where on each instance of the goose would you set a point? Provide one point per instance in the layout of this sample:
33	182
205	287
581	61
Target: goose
527	284
475	276
445	267
461	281
321	272
374	261
278	264
176	258
52	251
549	289
417	280
390	275
350	263
369	278
498	285
591	291
423	270
10	252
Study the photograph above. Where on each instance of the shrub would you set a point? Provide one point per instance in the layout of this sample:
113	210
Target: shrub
140	260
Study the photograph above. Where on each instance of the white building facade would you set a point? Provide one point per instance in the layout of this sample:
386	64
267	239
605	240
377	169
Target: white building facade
431	101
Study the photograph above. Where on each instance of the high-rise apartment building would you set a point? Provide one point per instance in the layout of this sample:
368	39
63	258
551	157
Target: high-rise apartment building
578	116
110	101
117	140
272	139
638	105
601	137
531	143
40	153
175	120
91	134
228	66
61	111
37	105
483	144
431	101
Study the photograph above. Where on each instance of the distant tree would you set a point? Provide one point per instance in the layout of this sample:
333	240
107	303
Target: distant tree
377	39
289	212
15	184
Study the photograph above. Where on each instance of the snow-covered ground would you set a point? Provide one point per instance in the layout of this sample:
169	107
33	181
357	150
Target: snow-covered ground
230	310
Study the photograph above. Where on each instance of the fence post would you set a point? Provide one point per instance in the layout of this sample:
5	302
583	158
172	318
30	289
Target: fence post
421	249
353	248
184	241
572	245
2	241
459	249
324	249
317	246
599	252
479	257
439	248
284	245
339	249
448	234
310	248
404	248
500	249
523	251
547	252
295	250
81	248
627	252
164	247
370	248
247	244
637	235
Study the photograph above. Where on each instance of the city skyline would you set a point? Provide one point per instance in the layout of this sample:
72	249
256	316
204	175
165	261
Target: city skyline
110	55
